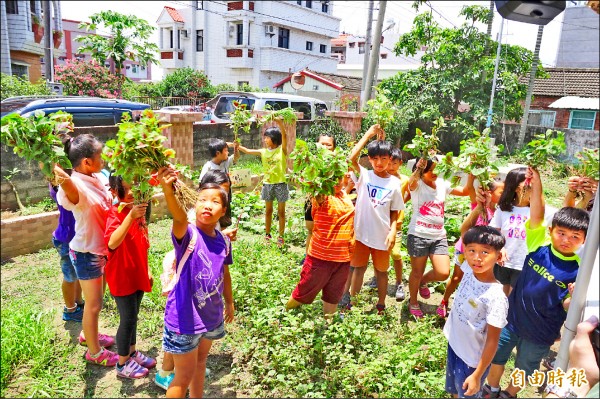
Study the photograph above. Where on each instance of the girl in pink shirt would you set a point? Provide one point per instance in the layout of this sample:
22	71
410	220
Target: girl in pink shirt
84	194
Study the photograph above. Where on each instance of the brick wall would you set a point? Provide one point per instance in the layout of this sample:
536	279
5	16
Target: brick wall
35	68
350	121
561	120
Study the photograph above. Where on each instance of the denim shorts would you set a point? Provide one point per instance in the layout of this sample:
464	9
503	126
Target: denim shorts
88	266
179	344
418	247
457	372
66	265
277	191
529	354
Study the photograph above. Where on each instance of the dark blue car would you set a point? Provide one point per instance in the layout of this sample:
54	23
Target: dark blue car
86	111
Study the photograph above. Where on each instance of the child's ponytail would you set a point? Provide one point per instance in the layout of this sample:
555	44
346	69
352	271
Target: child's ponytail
80	147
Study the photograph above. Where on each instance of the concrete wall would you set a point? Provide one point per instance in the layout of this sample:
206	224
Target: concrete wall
578	45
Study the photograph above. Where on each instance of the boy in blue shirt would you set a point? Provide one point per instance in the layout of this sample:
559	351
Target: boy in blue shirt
538	303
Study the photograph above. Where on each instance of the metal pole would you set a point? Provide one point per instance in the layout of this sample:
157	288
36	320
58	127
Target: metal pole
491	109
367	47
374	52
47	42
581	286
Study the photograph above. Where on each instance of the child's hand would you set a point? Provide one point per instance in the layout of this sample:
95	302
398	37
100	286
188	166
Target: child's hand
167	176
571	288
229	311
230	233
533	176
573	183
390	240
589	186
138	211
151	278
504	257
58	171
374	130
472	385
421	164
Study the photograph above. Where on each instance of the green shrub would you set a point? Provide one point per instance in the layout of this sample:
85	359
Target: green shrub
330	127
13	86
186	82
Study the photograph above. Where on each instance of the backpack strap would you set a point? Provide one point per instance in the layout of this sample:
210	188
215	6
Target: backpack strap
187	253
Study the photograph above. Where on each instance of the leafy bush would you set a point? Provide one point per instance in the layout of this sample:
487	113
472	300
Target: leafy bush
135	89
13	86
329	127
88	78
186	82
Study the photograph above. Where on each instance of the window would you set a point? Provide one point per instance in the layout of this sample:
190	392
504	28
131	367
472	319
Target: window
325	6
240	35
308	4
323	48
361	48
171	38
582	120
383	56
20	70
309	46
303	107
32	6
541	118
12	7
276	105
243	83
200	40
284	38
351	44
199	5
299	3
320	109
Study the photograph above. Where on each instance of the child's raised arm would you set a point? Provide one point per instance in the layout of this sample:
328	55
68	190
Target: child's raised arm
482	197
467	189
67	185
284	140
249	151
536	201
167	176
416	175
117	236
373	131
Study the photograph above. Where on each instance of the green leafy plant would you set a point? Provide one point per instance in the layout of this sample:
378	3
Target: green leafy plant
8	177
316	169
328	126
240	119
426	145
36	138
543	149
138	152
288	115
12	86
589	163
381	110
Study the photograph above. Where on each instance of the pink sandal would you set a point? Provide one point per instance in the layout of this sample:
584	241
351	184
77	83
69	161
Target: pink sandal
424	292
416	311
442	310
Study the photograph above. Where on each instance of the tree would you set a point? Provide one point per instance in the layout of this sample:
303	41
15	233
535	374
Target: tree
186	82
88	78
129	39
451	73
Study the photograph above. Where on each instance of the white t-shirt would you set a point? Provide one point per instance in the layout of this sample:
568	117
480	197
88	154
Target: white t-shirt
90	212
210	165
376	198
427	219
476	305
512	226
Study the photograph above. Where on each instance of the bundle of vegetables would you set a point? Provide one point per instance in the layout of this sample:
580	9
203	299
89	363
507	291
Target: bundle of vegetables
240	119
381	110
37	138
138	153
425	145
317	169
288	116
543	149
589	163
478	156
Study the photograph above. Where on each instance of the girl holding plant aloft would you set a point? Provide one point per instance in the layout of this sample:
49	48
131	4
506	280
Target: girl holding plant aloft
426	232
274	160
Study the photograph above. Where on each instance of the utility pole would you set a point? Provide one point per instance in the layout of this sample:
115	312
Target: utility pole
534	65
374	53
47	42
367	48
491	109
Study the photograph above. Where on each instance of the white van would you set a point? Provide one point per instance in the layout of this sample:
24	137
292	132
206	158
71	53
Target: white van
222	104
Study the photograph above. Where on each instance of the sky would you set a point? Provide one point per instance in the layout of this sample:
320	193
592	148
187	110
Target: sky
353	16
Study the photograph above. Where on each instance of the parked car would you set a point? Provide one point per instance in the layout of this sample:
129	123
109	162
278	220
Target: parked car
86	111
312	108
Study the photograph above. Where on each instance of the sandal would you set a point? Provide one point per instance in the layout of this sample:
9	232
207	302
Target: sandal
280	242
416	311
442	310
424	292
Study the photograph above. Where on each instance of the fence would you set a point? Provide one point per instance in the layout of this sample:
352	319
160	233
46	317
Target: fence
160	102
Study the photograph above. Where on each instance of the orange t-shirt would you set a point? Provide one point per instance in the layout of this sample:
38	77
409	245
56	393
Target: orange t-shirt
333	231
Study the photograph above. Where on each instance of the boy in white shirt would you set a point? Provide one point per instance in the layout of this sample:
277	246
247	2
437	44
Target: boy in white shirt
220	158
478	314
377	205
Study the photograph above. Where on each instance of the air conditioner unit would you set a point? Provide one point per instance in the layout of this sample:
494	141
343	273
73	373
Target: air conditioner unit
186	33
269	30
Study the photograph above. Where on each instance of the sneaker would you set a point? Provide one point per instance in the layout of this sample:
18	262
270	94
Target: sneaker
164	382
372	283
77	315
345	301
424	292
268	237
442	310
380	309
131	369
280	242
400	295
416	311
103	339
106	358
143	360
81	305
487	392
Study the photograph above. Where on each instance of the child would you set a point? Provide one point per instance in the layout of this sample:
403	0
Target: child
194	310
426	232
510	220
539	301
478	314
328	259
488	206
220	159
377	205
127	275
61	237
84	194
329	143
274	167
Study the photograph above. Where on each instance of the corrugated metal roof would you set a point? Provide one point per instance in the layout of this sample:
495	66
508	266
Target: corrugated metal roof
575	102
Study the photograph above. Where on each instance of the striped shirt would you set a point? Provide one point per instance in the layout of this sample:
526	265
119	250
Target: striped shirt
333	232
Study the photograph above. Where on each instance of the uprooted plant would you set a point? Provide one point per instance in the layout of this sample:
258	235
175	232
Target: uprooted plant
426	145
241	119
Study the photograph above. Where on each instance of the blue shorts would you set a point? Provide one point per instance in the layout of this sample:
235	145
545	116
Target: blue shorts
529	354
457	372
179	344
88	266
66	265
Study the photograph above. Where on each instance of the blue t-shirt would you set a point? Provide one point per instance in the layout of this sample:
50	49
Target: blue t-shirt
535	305
65	231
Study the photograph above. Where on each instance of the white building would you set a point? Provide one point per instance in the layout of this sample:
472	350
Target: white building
253	42
349	50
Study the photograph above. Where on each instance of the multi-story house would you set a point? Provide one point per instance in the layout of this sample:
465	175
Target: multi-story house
349	51
253	42
578	45
22	37
131	69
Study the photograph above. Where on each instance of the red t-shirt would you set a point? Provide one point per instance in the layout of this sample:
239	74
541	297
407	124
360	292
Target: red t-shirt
126	270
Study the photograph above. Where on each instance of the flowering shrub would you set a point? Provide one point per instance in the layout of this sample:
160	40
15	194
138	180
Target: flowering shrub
84	78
